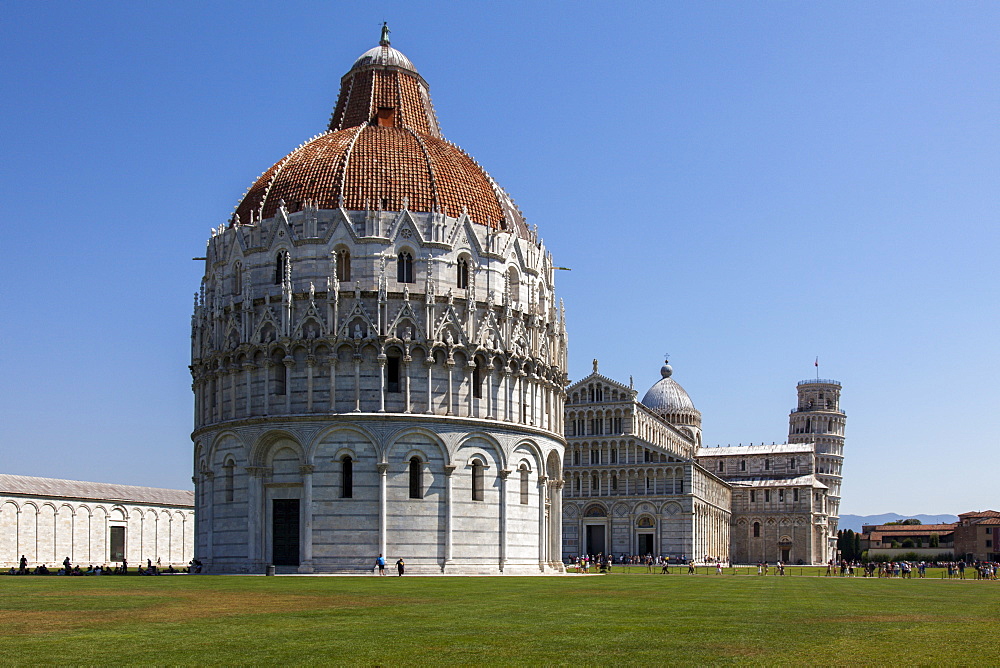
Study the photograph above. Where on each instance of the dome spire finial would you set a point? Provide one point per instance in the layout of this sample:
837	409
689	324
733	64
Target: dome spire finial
384	41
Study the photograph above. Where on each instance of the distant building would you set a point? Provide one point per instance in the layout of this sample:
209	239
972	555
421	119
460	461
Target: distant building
976	536
889	540
47	520
638	481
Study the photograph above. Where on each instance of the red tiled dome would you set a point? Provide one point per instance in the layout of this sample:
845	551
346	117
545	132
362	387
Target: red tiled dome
383	145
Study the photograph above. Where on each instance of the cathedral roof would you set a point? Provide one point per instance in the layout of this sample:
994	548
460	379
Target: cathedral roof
23	485
667	395
774	449
799	481
383	151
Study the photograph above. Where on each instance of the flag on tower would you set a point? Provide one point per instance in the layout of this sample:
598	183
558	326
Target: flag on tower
817	363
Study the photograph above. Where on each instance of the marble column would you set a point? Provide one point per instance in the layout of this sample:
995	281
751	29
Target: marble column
307	518
542	533
449	493
489	391
382	359
255	506
504	474
406	378
310	364
382	502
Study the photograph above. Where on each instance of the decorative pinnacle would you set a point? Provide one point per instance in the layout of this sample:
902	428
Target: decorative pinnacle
385	34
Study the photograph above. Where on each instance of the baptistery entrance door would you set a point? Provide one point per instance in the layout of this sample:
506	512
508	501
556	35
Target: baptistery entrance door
595	538
645	544
285	532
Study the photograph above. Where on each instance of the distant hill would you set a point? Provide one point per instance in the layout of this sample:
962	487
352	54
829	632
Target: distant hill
854	522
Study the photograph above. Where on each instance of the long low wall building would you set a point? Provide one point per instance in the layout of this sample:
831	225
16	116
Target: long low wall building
46	520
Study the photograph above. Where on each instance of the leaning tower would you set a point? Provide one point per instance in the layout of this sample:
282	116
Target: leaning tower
818	419
378	355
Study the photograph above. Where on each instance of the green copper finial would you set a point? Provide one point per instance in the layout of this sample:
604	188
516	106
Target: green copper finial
385	34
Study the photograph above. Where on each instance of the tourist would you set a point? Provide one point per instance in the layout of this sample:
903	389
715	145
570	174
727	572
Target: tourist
380	563
400	567
718	568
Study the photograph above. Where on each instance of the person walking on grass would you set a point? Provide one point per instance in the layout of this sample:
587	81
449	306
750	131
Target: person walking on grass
380	563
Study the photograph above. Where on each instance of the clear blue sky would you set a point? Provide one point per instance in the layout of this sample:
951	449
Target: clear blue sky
743	185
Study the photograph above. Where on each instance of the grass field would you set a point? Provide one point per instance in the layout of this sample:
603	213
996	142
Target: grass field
596	620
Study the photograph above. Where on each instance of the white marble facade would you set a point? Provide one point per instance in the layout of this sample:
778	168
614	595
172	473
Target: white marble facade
446	378
48	520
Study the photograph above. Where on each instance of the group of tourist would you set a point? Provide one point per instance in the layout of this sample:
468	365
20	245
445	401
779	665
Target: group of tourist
764	568
602	563
194	566
983	570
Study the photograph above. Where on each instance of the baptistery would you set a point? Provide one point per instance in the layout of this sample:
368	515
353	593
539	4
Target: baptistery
378	355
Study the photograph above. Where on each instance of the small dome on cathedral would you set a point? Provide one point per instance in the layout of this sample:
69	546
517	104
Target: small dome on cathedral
667	396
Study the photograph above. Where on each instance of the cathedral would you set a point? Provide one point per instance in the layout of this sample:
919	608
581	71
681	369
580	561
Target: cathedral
638	480
378	356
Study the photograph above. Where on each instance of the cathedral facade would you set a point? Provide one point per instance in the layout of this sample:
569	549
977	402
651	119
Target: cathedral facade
640	482
378	356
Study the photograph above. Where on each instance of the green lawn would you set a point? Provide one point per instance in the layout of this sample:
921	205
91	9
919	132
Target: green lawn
616	619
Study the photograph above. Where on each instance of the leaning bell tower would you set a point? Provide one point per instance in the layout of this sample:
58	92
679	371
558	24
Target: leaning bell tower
818	419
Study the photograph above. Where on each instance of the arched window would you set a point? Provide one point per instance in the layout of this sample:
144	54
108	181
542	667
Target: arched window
767	464
753	496
478	481
721	466
743	465
404	267
791	463
614	482
278	373
463	273
237	282
416	482
392	373
477	378
756	529
280	267
524	484
346	477
343	259
595	484
514	284
228	469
